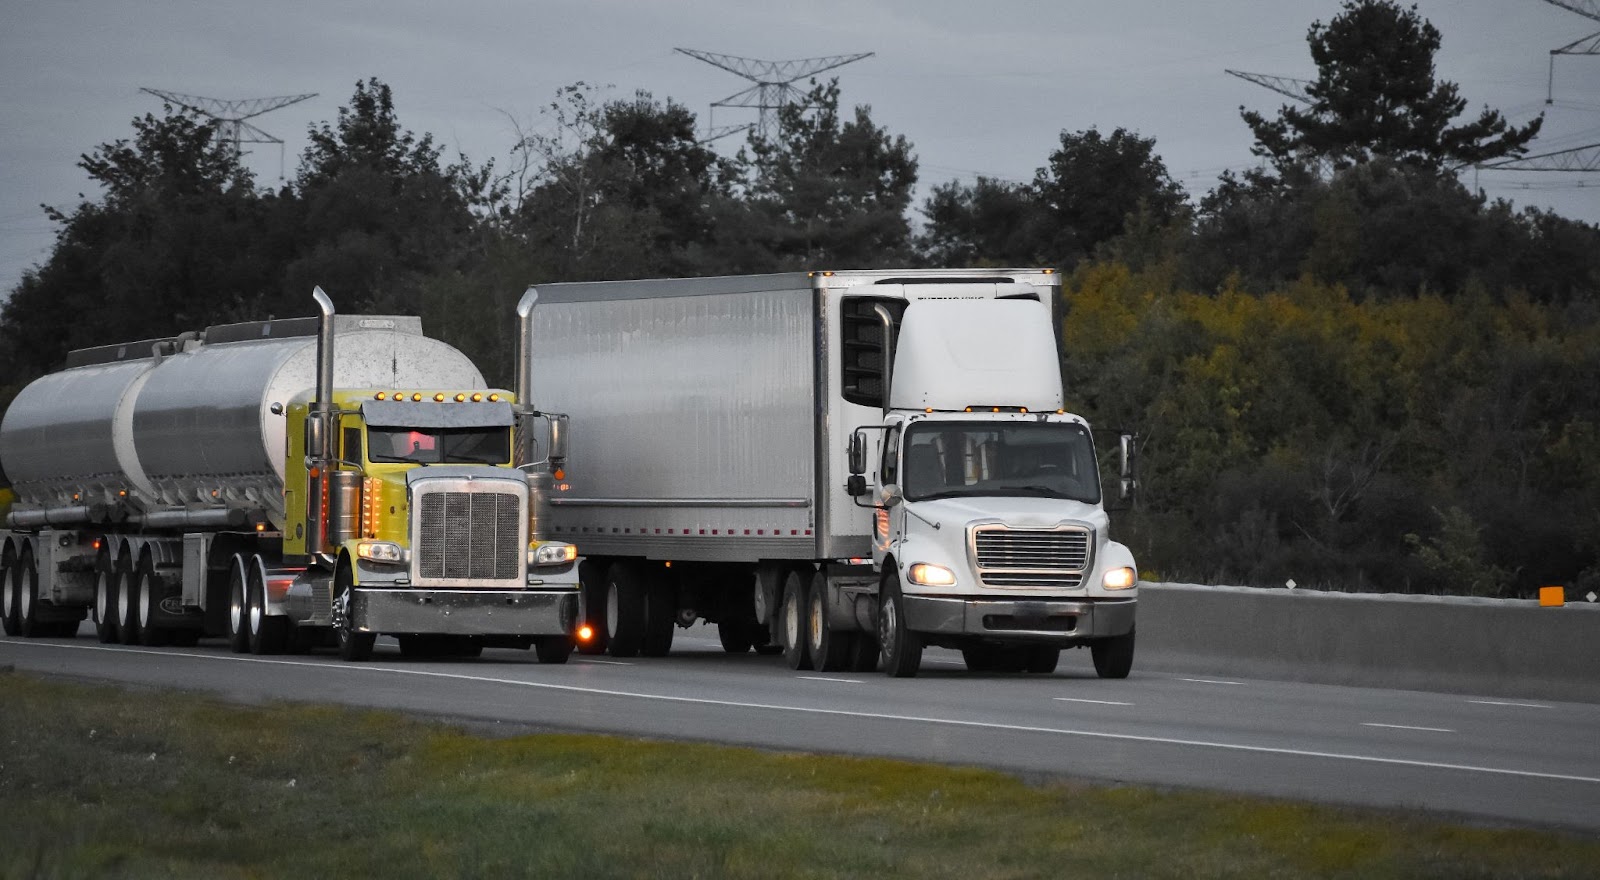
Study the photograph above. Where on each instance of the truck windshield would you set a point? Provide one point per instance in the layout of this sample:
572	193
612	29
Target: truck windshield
1035	459
490	445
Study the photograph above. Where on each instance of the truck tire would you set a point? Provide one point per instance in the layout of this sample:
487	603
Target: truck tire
354	646
795	628
147	590
127	602
105	600
981	658
8	593
238	607
25	584
1042	659
660	616
1113	657
734	636
830	650
592	583
268	634
864	653
624	611
902	648
552	649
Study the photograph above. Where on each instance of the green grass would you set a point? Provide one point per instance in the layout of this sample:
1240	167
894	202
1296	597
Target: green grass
96	781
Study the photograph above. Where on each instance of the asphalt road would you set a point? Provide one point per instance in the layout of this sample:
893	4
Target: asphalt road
1495	759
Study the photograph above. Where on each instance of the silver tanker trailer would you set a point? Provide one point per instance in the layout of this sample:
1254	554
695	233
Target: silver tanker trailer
284	484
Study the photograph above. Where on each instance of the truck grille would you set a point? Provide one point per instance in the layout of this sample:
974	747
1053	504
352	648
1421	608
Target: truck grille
1031	557
469	536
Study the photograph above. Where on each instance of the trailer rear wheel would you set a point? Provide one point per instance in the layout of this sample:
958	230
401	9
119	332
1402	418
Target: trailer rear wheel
660	616
592	581
269	634
902	648
624	610
8	593
238	632
25	584
830	650
354	645
552	649
1113	657
127	602
148	590
796	622
105	599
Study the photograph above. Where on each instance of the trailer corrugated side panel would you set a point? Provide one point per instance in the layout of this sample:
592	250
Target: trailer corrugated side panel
694	416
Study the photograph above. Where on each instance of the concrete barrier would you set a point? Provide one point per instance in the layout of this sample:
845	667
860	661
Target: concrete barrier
1488	647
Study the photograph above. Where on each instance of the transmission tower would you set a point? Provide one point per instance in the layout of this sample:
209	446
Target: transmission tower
1575	159
774	82
230	116
1283	85
1589	45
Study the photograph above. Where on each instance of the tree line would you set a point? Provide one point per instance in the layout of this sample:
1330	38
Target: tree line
1345	367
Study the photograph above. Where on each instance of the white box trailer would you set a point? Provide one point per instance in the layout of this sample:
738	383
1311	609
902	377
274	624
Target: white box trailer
709	472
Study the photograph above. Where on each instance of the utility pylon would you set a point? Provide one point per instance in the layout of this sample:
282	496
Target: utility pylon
230	116
774	82
1585	158
1283	85
1589	45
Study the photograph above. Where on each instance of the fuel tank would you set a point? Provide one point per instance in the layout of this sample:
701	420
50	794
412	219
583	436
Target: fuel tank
190	423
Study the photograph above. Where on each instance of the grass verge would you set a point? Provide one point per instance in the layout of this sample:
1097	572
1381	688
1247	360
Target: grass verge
96	781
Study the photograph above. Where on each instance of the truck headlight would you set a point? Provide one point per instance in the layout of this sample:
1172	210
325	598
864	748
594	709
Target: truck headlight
381	551
1119	578
555	553
927	574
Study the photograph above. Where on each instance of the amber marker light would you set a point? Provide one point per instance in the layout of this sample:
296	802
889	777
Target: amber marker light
461	398
416	398
585	633
439	398
494	398
477	398
379	396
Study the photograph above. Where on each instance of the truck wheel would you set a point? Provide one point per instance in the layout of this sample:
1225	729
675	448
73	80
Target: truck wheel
8	594
624	611
105	600
127	603
864	650
238	607
25	584
830	650
1042	659
592	582
660	617
552	649
1113	657
354	645
268	634
418	647
792	613
981	658
902	648
148	590
734	636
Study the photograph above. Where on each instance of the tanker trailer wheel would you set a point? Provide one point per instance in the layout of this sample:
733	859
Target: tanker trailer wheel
794	619
8	593
24	582
592	583
353	645
1113	657
268	634
105	599
238	606
902	648
127	602
830	649
148	590
624	610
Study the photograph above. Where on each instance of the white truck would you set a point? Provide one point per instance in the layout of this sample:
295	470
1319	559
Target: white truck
844	466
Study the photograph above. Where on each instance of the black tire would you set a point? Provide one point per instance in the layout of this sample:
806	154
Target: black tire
419	647
8	594
624	611
1042	659
981	658
25	585
902	648
734	636
127	603
864	652
269	634
592	580
795	622
552	649
660	616
354	646
1113	657
830	650
147	592
238	631
105	600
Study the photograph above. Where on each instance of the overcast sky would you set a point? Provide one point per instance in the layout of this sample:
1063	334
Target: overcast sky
978	86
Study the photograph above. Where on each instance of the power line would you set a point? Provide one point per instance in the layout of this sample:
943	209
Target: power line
774	82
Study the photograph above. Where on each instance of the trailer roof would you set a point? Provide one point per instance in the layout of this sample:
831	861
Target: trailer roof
592	291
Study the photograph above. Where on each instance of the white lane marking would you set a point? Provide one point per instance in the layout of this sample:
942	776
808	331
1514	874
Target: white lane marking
1407	727
825	678
1098	702
605	662
1209	681
842	713
1518	705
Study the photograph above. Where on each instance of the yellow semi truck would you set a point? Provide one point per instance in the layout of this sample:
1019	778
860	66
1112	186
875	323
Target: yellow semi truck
286	484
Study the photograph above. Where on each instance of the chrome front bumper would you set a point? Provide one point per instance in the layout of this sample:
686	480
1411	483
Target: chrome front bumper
466	612
1060	621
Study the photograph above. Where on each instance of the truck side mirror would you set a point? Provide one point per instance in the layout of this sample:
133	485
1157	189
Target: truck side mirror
858	457
1126	455
314	428
856	485
558	438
